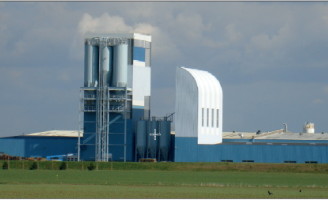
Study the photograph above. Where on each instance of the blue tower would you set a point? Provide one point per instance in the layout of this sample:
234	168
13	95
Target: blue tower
115	95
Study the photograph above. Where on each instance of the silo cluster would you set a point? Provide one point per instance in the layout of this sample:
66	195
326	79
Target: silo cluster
105	60
146	145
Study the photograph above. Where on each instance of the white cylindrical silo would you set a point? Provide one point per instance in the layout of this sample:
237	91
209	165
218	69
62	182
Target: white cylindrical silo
308	128
106	64
87	64
95	66
120	67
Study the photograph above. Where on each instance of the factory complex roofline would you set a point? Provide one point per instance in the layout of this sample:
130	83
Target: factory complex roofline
275	135
56	133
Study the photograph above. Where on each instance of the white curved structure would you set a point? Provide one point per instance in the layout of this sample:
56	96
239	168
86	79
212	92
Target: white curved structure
198	106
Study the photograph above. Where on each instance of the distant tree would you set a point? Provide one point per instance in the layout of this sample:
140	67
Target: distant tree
91	167
34	166
62	166
5	165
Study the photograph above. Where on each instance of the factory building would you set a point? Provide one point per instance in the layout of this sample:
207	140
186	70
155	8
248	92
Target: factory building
116	94
271	147
199	136
41	144
115	121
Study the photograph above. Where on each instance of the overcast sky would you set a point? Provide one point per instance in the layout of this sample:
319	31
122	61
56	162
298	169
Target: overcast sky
270	58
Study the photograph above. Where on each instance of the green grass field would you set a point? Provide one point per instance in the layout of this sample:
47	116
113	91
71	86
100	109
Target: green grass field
154	180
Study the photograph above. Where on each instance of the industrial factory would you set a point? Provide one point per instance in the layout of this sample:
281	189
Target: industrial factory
115	122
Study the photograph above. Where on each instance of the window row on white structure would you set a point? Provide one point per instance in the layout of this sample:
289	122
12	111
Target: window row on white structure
214	117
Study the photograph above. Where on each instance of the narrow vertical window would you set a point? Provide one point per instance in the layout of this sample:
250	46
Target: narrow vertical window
217	118
212	117
208	116
202	116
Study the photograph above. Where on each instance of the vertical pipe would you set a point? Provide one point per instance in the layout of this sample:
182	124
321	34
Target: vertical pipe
97	125
95	65
159	138
108	115
89	64
125	108
78	146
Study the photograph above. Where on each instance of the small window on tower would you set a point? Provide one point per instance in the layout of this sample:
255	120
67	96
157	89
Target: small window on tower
217	118
212	117
208	116
202	116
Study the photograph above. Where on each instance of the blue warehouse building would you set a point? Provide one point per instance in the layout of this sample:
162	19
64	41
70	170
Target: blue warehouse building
199	136
273	147
40	144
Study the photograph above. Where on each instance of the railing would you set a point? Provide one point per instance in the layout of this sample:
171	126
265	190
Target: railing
156	118
89	96
111	108
112	97
89	108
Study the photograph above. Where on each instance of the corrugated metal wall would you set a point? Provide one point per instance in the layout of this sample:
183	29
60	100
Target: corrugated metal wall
186	113
116	136
37	146
198	106
187	150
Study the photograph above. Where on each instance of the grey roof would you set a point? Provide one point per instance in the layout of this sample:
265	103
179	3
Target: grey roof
276	135
57	133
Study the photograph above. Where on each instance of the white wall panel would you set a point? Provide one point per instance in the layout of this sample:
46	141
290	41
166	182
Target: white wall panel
140	85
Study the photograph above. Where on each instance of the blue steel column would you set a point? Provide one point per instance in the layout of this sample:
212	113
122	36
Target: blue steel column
125	108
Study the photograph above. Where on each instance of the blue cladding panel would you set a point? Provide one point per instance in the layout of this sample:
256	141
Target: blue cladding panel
33	146
189	151
172	148
186	149
13	146
139	54
116	138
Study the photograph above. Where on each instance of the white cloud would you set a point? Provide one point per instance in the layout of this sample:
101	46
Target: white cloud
104	23
110	24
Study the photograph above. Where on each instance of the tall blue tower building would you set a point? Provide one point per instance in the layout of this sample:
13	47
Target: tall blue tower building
115	95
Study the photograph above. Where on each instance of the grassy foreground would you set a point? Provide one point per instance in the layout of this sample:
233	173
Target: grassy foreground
175	166
153	192
160	184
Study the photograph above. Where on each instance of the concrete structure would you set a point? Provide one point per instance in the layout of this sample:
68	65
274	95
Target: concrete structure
116	94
